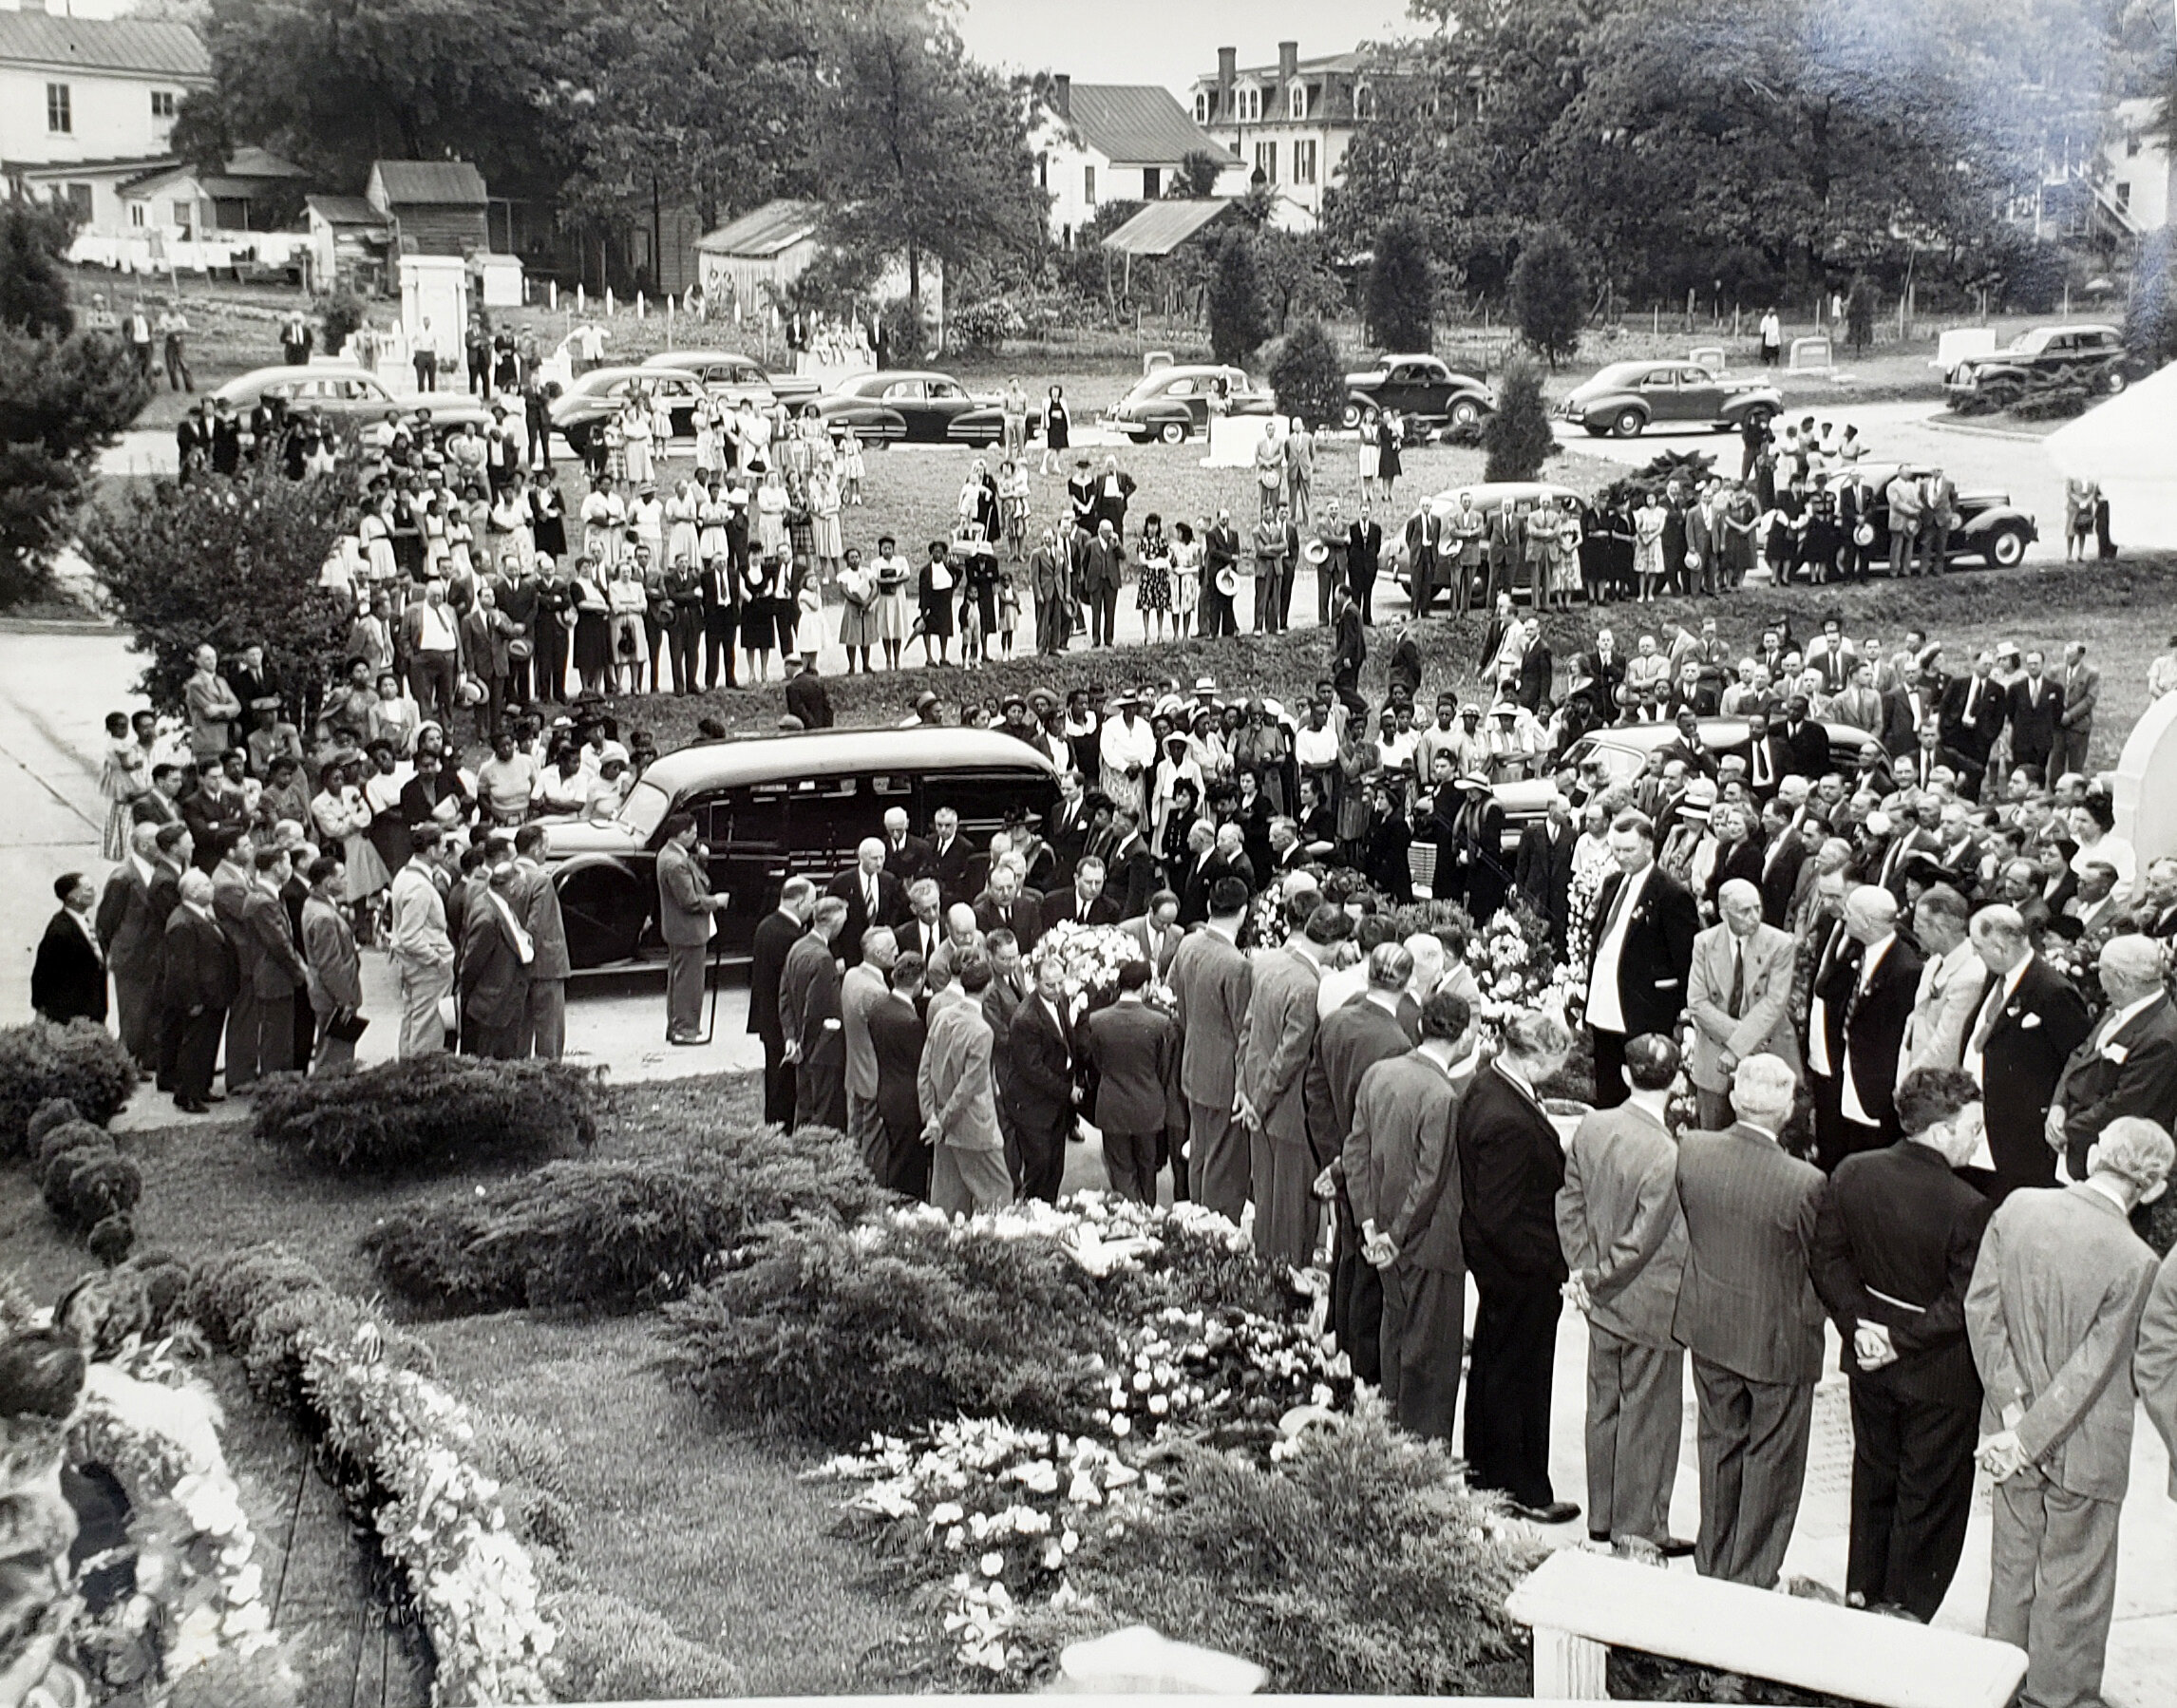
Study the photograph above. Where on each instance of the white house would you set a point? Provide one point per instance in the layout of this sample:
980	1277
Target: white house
1290	122
88	104
2106	177
186	203
1097	143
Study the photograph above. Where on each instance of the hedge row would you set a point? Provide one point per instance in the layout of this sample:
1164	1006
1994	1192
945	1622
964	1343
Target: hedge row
40	1063
89	1187
428	1114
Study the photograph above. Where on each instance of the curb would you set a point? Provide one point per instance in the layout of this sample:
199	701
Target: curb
56	625
1984	432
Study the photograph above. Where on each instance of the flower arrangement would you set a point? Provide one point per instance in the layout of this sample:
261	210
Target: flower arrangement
1224	1376
1090	957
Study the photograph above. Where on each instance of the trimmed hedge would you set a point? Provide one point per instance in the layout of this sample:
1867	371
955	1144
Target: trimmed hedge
89	1187
41	1062
621	1233
430	1114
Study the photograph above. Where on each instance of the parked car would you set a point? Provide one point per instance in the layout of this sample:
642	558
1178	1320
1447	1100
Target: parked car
771	808
1990	527
916	406
2048	355
1171	402
347	393
1627	398
732	377
1623	750
1488	495
1421	390
603	392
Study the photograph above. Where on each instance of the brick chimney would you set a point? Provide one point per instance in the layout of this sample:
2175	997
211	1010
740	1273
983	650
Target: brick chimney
1062	95
1288	62
1227	74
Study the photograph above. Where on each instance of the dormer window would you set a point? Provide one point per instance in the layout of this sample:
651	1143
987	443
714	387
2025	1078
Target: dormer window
1249	101
1364	101
1297	101
1201	106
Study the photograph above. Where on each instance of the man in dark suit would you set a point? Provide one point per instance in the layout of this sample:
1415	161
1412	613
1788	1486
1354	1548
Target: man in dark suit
1510	1167
1802	744
1537	670
130	937
1132	869
2037	714
1004	905
1894	1246
2017	1045
1350	1040
872	894
1401	1168
1783	852
1974	707
1045	1093
272	960
1748	1313
1624	1244
1132	1054
1543	871
896	1036
1605	667
1855	1025
546	1025
947	861
810	1020
201	977
1211	979
67	978
2128	1064
905	853
174	850
1085	904
776	933
1645	923
1069	827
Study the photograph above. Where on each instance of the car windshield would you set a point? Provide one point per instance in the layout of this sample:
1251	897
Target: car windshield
1621	373
644	810
2035	342
1154	384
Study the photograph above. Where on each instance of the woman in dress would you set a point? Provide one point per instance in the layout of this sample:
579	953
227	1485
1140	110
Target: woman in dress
771	503
1186	579
1592	863
625	599
342	818
1153	591
1260	750
593	626
1648	547
1013	493
636	440
2078	516
124	775
375	530
1370	451
709	440
1057	430
1253	813
393	718
681	539
547	518
604	521
2093	827
712	515
893	623
1564	558
761	594
857	610
852	468
933	597
506	530
829	542
1390	434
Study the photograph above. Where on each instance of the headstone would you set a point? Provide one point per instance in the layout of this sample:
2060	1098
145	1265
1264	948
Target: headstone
1812	356
1709	356
1960	342
2145	788
435	288
1233	439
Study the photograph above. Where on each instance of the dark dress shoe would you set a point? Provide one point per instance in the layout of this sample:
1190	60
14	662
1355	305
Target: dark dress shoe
1673	1548
189	1105
1558	1512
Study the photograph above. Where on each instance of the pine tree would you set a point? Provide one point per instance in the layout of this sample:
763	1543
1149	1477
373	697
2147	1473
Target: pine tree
1238	319
1309	375
33	295
1402	290
1518	437
1549	293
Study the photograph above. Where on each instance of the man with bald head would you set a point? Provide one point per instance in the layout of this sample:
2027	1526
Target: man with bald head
873	895
1738	997
1855	1026
2127	1065
962	936
2030	1020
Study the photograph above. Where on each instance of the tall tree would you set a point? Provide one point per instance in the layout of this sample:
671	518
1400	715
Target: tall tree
1309	375
1517	436
1237	321
33	295
1549	293
922	151
1402	288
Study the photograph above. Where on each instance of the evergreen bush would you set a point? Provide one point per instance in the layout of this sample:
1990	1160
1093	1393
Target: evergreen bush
1309	375
1401	303
1549	296
429	1113
618	1233
1518	436
55	1111
41	1062
1238	319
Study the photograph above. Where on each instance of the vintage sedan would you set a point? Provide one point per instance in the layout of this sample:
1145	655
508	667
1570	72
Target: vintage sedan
893	405
1172	403
1420	391
350	394
1622	749
771	808
1990	529
602	392
1627	398
734	378
2046	357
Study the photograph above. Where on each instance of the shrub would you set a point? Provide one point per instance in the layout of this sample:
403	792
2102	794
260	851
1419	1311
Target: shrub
618	1233
1238	319
1549	297
337	321
1401	304
1518	436
70	1135
985	325
838	1334
616	1651
57	1181
1308	376
268	1307
429	1113
41	1062
55	1111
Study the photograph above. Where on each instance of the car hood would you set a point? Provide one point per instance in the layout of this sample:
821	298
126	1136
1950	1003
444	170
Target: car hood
1529	798
574	836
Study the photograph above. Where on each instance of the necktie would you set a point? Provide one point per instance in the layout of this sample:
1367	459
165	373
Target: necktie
869	899
1989	1010
1737	1006
1973	700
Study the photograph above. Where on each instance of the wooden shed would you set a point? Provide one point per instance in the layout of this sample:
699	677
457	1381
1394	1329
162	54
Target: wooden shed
772	245
435	207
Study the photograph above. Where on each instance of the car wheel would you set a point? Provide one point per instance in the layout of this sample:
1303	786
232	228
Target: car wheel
2006	548
604	909
1173	432
1628	423
1350	416
1466	413
2114	381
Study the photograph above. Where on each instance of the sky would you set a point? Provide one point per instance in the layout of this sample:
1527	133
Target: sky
1169	42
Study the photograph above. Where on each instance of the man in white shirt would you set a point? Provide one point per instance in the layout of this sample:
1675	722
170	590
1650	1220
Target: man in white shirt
1950	986
433	644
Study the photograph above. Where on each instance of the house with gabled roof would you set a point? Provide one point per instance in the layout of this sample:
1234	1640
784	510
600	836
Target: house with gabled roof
1100	142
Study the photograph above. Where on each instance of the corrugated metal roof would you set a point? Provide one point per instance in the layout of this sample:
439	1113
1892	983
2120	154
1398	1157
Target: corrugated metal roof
151	46
343	210
1140	124
250	172
767	231
1162	226
431	183
262	162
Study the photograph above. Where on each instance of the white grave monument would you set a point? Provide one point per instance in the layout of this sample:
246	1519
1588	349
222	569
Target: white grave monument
434	289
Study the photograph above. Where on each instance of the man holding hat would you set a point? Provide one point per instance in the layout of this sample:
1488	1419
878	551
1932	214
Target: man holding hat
1221	577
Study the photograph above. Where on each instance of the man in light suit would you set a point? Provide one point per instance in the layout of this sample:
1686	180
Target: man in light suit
132	938
1350	1040
1212	982
1275	1041
546	1031
1952	981
2054	1315
2074	724
809	1018
1739	999
867	983
959	1112
1624	1242
1401	1168
1645	922
2128	1064
2030	1022
1748	1313
2155	1368
686	918
1894	1250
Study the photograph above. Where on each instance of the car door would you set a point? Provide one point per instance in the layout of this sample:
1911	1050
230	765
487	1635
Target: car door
1415	388
910	400
1659	392
1700	395
747	831
947	403
1192	396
